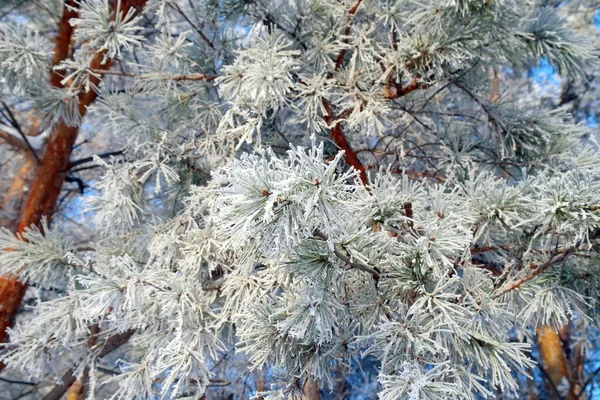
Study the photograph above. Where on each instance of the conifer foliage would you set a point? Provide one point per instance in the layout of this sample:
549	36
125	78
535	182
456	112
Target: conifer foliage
285	192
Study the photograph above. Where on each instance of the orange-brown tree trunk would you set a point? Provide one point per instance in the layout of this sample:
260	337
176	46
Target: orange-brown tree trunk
11	294
11	290
555	362
46	186
76	390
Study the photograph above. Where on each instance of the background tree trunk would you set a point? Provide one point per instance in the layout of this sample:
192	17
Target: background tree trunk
311	390
13	203
50	175
554	361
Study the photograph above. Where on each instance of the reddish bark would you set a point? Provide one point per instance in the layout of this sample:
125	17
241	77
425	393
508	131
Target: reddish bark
11	290
63	41
340	139
340	58
554	359
394	90
11	294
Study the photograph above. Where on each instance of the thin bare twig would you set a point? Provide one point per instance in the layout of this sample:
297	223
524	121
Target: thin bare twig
541	268
189	21
13	121
190	77
90	159
341	253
